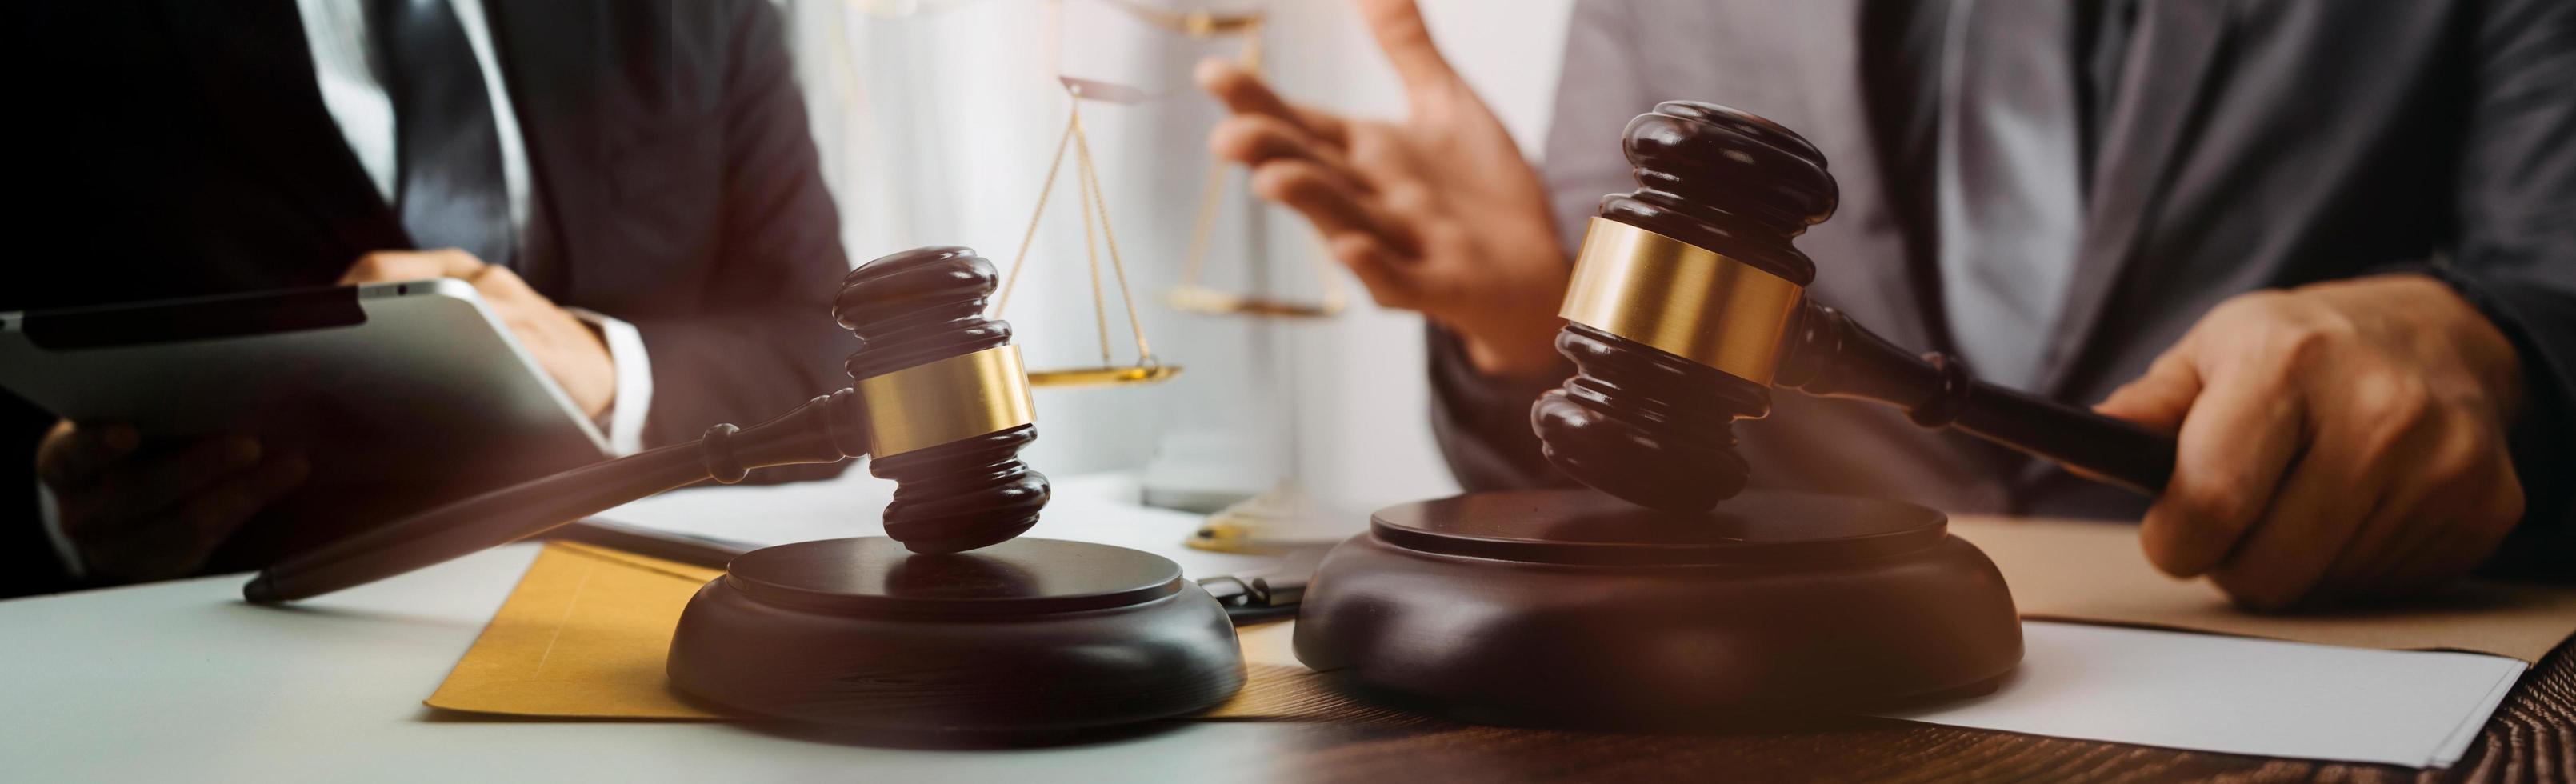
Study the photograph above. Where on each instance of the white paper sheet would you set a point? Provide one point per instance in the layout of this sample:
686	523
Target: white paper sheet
2241	695
2207	692
2157	688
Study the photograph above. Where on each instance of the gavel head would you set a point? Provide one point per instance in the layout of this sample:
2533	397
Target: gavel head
945	399
1681	298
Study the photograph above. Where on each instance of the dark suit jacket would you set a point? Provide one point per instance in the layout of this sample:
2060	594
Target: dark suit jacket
2248	144
178	147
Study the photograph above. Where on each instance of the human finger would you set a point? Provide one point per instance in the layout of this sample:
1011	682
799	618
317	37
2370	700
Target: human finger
1330	199
2458	533
1387	281
385	265
150	548
2393	533
1244	93
504	288
2311	524
1400	31
156	483
1254	139
2158	398
2443	482
72	454
2234	446
213	514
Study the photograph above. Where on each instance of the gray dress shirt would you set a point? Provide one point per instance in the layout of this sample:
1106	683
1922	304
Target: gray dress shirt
2009	190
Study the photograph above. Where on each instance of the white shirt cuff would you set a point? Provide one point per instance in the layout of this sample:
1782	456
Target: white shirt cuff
50	513
624	419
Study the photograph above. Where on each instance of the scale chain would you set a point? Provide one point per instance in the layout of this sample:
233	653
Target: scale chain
1018	260
1090	247
1126	296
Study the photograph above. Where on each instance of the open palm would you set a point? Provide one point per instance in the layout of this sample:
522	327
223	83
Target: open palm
1438	213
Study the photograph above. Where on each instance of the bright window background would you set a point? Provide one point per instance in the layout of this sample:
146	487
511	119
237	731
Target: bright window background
937	119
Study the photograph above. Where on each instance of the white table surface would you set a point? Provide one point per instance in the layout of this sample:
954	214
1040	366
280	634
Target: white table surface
183	681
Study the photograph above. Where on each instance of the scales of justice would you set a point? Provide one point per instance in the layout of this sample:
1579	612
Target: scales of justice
1191	294
1239	520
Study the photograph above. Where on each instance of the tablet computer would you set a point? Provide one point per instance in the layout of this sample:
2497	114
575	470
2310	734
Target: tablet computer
402	395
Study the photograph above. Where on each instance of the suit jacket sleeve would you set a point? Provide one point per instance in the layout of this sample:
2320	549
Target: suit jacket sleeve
763	340
2516	258
1483	421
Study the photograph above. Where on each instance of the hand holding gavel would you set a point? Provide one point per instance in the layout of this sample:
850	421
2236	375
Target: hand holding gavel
1435	212
2338	439
1688	304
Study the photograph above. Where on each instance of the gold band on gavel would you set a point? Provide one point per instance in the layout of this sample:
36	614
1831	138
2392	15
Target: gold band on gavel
1696	303
950	400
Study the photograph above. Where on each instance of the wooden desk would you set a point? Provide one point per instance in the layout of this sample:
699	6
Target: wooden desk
2531	738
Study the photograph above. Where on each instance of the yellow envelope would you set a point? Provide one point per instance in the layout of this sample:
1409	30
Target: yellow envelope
585	635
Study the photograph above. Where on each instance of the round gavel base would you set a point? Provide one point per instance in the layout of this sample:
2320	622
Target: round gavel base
1572	608
1031	635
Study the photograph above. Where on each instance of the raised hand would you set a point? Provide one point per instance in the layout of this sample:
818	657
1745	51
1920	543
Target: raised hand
1438	213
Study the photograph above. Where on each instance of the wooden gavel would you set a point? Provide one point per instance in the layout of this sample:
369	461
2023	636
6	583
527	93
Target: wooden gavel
1688	305
940	403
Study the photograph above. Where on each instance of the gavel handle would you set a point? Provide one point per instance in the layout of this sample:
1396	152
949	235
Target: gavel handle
2112	450
820	431
1829	354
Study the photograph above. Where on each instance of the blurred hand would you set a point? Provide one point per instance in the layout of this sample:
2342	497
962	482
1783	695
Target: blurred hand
564	345
2342	439
1438	213
136	515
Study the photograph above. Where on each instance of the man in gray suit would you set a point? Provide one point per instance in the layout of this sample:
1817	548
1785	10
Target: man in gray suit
2330	246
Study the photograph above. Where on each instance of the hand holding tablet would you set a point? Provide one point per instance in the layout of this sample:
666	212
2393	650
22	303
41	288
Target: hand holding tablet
136	511
221	433
568	349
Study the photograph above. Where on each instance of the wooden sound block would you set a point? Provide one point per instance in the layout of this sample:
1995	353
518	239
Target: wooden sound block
1573	608
1026	635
